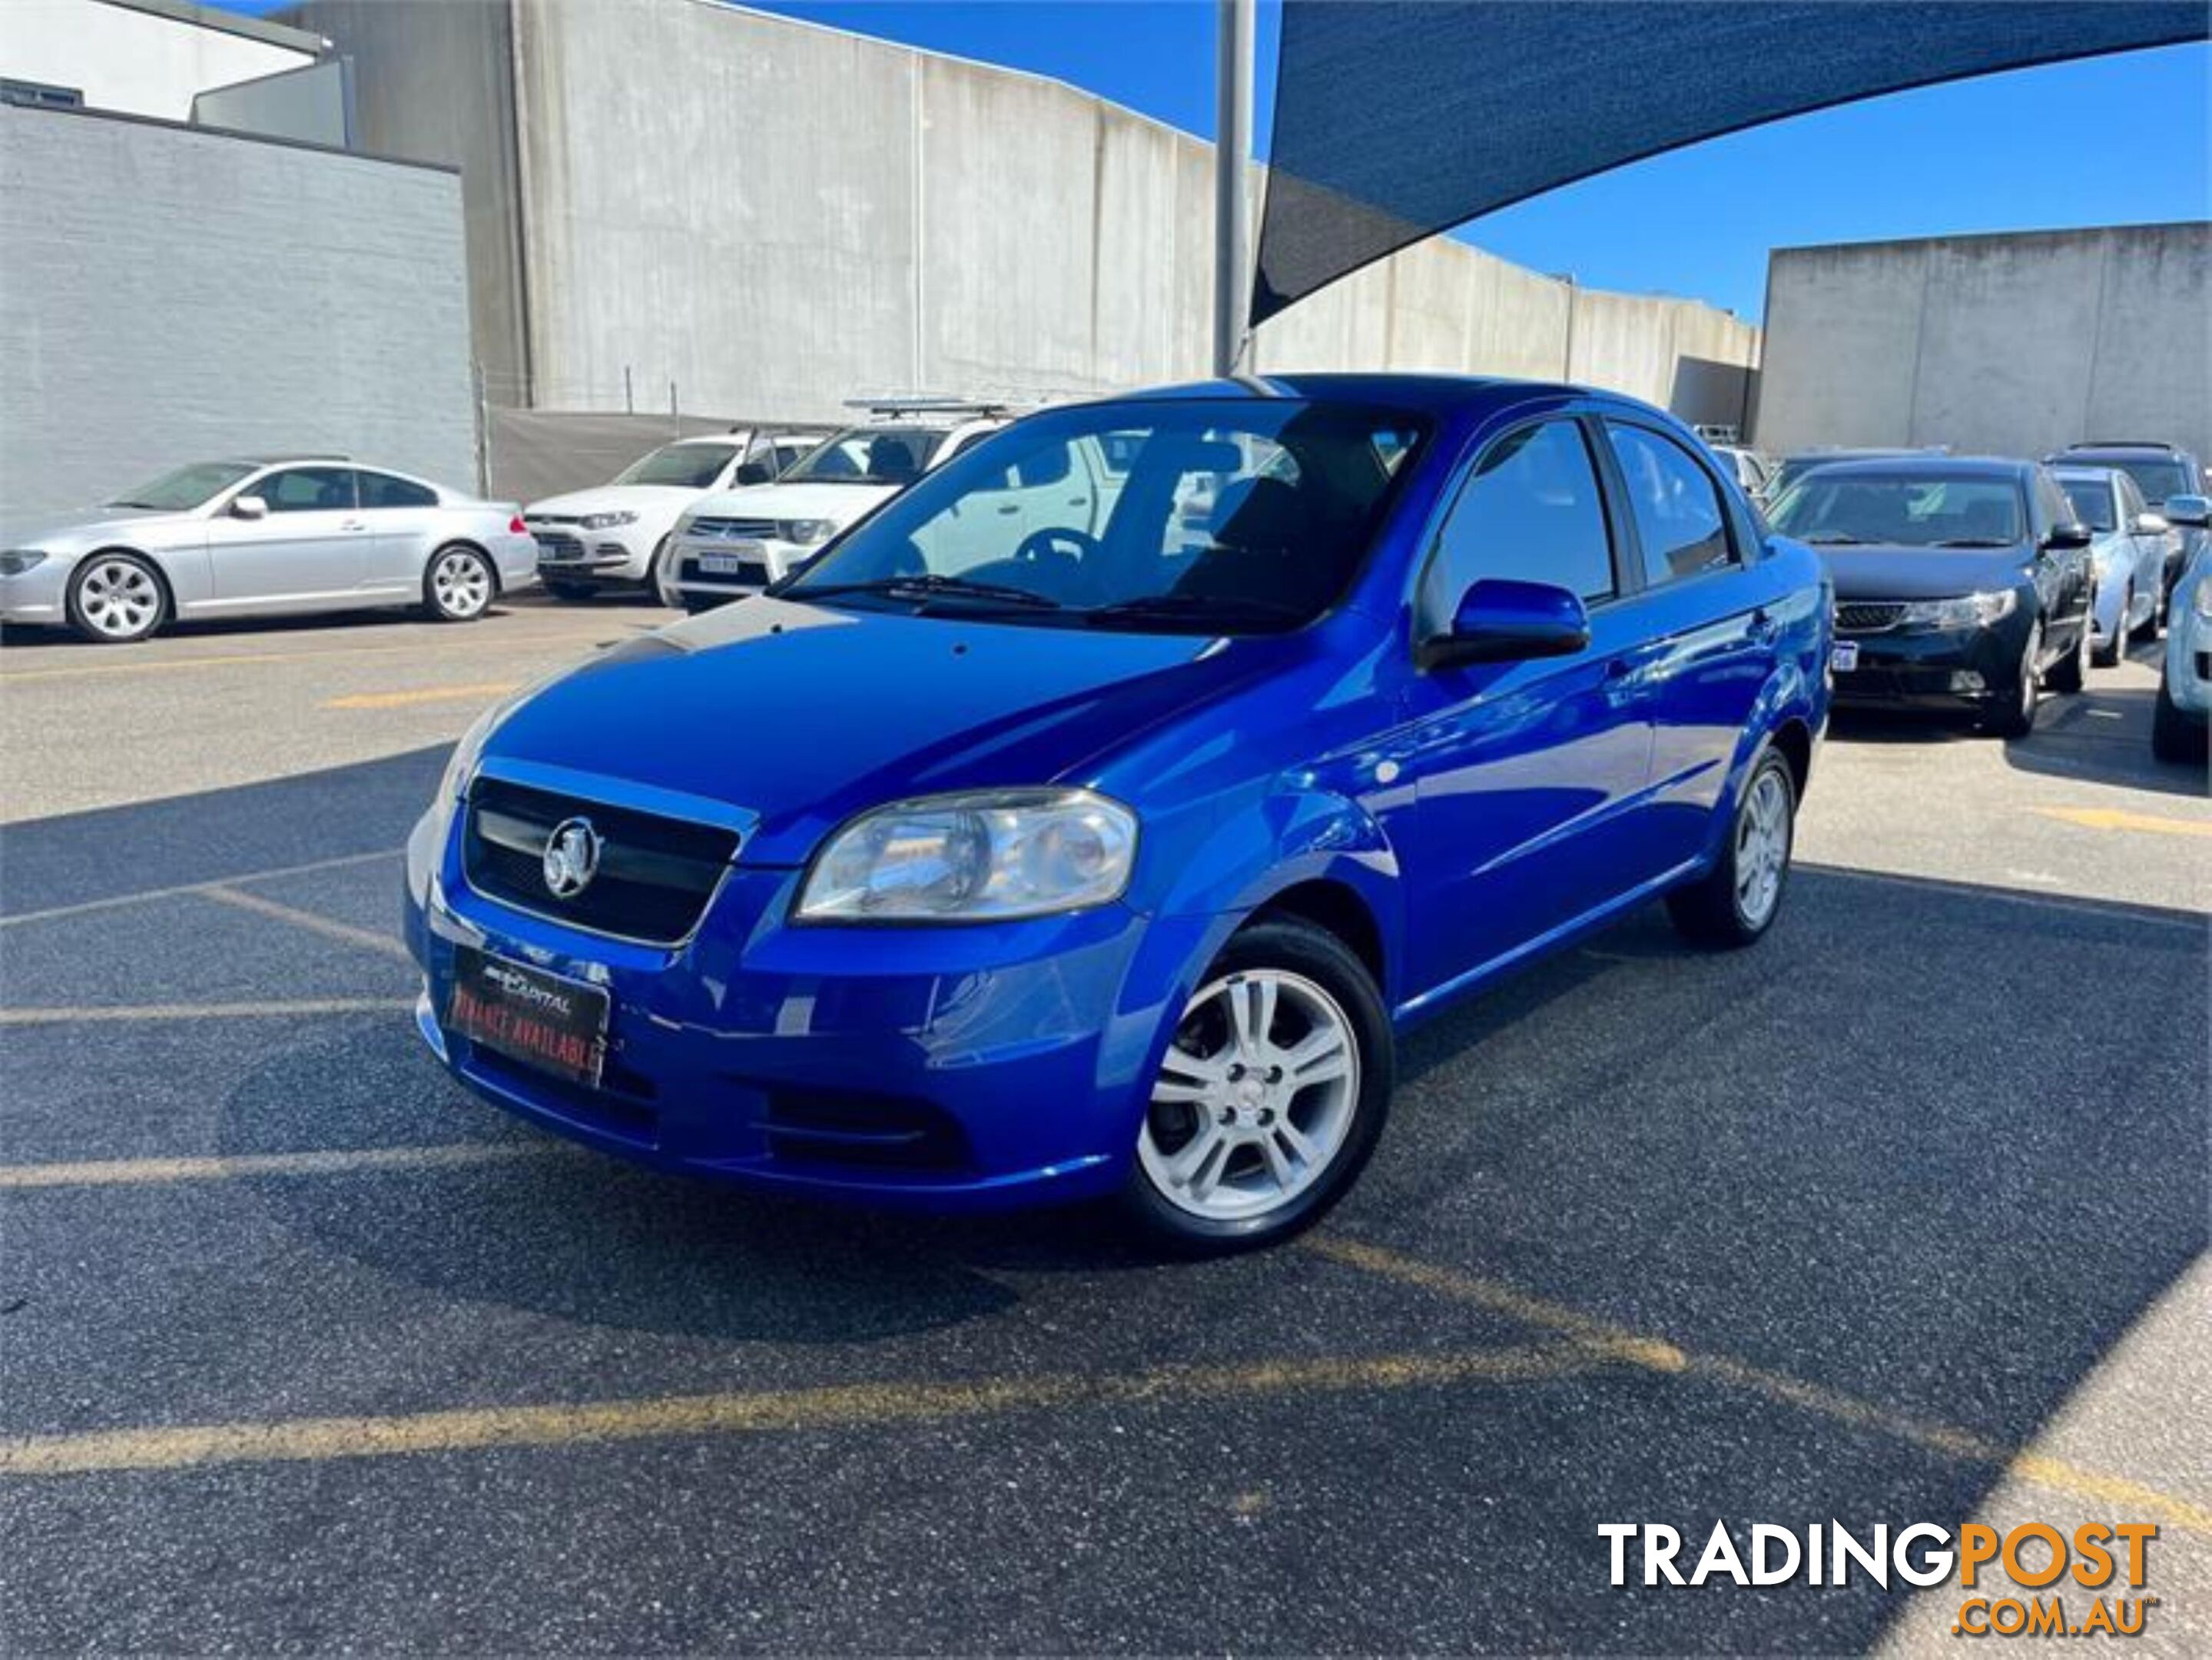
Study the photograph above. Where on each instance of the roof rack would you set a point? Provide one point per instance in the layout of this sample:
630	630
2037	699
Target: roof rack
2123	444
896	404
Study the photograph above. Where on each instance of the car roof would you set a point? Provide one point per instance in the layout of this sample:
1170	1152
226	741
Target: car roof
1914	465
306	458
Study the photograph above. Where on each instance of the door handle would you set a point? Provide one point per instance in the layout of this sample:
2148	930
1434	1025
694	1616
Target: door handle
1011	506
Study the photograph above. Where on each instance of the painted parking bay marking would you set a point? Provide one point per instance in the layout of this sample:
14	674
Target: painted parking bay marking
393	700
2119	818
154	1172
103	1014
755	1412
1659	1355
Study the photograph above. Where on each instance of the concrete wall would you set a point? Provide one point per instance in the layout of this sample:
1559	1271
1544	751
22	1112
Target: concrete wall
2014	344
310	105
434	82
170	294
133	61
772	216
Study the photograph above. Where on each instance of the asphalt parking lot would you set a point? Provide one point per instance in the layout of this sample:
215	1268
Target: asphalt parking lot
1899	1217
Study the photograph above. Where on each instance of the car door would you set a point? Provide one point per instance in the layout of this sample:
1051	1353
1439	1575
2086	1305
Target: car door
310	547
1523	775
403	527
1705	612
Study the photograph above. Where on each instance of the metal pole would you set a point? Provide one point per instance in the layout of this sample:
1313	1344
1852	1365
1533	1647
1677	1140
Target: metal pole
1232	152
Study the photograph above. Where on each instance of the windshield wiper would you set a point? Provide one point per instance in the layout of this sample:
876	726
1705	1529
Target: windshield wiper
1228	607
1837	541
148	505
1972	542
927	588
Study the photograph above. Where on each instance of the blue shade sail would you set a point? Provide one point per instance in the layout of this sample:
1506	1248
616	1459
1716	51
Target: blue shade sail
1394	121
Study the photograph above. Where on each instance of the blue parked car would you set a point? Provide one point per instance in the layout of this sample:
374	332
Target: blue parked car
1109	850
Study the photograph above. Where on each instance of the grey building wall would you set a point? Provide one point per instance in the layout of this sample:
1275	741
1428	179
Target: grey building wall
169	294
310	105
772	216
2012	345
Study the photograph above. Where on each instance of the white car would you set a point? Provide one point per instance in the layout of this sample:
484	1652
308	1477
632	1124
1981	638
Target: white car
2130	553
611	535
265	537
737	542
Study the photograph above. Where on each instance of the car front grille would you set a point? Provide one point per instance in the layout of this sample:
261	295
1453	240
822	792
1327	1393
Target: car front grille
556	544
655	875
1868	615
733	530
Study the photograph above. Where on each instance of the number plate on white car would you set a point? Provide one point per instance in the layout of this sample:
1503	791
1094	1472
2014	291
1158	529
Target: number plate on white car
1845	656
729	564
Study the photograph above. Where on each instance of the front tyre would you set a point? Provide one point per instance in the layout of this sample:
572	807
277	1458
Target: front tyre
117	598
1738	901
2173	735
1270	1097
2072	671
458	586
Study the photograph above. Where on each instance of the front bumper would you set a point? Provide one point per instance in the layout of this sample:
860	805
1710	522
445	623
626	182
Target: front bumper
1975	669
944	1068
37	595
2187	671
569	553
751	565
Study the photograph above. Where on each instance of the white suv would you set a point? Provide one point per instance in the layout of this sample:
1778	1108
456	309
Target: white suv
735	543
611	535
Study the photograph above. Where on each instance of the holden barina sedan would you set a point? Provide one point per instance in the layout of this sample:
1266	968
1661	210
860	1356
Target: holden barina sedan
1963	584
264	537
1115	856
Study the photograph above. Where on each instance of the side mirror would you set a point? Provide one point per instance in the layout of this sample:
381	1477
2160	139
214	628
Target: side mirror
249	507
2192	510
1505	622
754	472
2151	524
2065	536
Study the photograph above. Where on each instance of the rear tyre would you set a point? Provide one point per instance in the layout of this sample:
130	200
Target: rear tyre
2116	644
2173	735
458	586
1270	1098
1738	901
2068	674
115	598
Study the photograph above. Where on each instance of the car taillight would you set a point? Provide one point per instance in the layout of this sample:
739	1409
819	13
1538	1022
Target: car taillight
516	527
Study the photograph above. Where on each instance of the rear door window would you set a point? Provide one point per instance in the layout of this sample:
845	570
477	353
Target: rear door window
1679	518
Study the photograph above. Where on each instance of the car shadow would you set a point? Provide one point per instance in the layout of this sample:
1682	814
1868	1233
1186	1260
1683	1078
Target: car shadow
2101	735
17	636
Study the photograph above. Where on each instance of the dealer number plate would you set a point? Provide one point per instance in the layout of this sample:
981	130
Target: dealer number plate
545	1021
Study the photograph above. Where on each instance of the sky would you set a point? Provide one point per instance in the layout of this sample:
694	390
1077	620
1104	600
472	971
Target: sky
2120	140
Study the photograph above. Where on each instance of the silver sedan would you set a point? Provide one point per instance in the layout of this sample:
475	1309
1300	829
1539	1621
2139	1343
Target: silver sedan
265	537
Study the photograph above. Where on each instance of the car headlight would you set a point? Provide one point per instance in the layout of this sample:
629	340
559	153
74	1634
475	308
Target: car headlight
807	532
1972	611
607	521
16	561
974	857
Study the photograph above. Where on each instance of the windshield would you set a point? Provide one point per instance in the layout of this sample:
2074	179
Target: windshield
2092	502
187	487
2156	477
1218	517
870	455
1919	510
685	466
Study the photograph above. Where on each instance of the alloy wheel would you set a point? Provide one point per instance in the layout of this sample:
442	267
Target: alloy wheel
118	599
1762	849
1255	1096
460	583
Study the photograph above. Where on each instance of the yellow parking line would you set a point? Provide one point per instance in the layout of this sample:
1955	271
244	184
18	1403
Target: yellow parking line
329	928
2119	818
96	1014
153	1172
751	1412
1659	1355
143	895
393	700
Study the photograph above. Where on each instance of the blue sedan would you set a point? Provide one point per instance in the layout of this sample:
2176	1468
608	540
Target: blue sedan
1109	849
